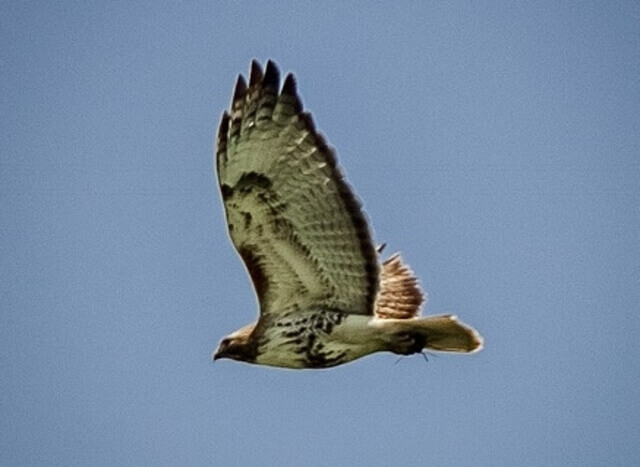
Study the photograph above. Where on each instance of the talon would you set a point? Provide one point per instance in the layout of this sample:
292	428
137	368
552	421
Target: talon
409	343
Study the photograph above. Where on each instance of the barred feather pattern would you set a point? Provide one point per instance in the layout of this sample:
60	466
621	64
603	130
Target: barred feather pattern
400	296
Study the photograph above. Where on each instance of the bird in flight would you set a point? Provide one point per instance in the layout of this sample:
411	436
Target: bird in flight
325	296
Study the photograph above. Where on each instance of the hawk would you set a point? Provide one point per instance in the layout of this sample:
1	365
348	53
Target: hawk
325	296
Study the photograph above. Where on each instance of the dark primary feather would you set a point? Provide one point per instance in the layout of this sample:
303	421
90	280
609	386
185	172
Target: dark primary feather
291	215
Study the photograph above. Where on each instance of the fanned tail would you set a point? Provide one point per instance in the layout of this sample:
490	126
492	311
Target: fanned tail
398	310
400	295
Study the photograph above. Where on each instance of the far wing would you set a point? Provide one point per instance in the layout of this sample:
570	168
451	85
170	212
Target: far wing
291	215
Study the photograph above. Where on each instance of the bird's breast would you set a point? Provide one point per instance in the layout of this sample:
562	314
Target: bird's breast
316	339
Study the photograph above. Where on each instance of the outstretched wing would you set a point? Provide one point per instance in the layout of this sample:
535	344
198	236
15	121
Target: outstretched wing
291	215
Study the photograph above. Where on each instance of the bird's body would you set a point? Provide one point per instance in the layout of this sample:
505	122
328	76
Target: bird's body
325	297
326	338
312	339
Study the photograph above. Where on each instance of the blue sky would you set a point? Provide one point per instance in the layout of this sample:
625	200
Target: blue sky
496	144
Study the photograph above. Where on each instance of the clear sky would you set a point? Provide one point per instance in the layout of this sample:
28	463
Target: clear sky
496	144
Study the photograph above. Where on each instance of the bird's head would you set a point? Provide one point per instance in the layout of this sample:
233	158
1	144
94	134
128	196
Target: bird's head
237	346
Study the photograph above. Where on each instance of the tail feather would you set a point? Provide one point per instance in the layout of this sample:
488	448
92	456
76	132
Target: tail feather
400	295
398	309
443	333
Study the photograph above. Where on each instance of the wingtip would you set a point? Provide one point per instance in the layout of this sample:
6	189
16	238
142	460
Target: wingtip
255	76
290	89
239	90
223	128
221	144
272	75
290	85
